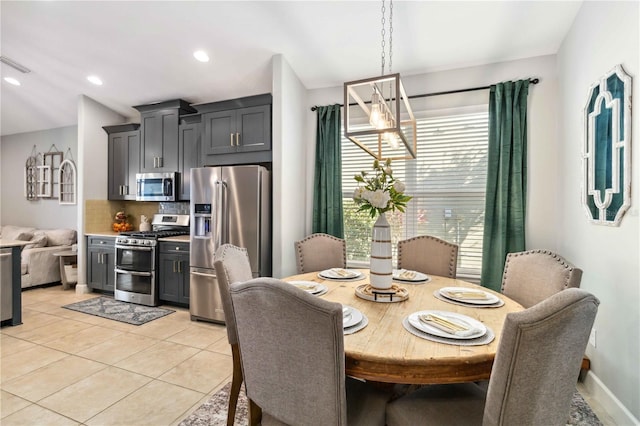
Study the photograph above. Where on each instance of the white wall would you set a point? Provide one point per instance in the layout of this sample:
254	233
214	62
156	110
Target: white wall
93	164
289	150
14	151
603	35
542	133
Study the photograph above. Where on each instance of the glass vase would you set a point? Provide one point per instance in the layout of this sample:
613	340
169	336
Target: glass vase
381	267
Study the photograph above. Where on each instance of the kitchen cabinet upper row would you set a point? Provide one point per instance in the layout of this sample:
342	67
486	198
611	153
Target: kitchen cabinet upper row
173	137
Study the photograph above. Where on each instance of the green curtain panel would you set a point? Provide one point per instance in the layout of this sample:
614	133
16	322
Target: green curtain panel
505	206
327	196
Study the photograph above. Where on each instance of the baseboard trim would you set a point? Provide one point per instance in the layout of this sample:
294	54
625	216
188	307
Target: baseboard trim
618	412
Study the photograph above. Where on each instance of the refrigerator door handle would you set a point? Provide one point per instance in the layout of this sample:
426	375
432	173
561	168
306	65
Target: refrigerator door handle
224	212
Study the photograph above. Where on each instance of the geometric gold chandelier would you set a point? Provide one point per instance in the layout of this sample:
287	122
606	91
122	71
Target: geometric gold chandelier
378	117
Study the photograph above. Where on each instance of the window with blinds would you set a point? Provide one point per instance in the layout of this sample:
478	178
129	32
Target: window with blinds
447	182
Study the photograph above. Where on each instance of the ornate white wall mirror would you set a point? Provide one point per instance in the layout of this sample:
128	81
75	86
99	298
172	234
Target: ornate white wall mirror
606	159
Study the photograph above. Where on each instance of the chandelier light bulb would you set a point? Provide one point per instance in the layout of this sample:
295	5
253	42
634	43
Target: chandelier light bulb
376	114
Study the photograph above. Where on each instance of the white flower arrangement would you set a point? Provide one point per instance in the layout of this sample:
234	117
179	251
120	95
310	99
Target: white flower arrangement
381	192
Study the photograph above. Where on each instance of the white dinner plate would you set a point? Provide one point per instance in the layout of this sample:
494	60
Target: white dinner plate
309	286
340	274
418	276
414	320
449	293
351	317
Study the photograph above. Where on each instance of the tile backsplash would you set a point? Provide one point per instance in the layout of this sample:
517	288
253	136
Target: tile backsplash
99	214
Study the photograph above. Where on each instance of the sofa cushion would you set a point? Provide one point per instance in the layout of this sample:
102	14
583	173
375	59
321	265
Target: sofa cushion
39	239
60	237
10	232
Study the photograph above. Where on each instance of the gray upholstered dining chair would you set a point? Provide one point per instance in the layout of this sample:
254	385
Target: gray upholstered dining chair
319	251
232	265
531	276
292	350
429	255
533	376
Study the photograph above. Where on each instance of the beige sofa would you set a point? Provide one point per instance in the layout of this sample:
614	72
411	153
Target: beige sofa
37	263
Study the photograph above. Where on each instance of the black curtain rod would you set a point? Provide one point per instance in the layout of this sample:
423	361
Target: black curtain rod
448	92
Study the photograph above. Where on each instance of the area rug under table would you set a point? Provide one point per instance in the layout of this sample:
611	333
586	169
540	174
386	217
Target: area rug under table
116	310
214	411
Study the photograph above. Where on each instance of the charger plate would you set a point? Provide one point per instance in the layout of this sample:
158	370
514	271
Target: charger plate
482	340
438	296
359	326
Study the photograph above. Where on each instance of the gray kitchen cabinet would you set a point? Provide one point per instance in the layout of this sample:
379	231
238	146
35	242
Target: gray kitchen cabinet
124	161
189	141
173	270
101	263
236	131
159	135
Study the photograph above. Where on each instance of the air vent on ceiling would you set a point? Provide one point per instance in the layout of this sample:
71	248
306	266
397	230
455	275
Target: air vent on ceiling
14	64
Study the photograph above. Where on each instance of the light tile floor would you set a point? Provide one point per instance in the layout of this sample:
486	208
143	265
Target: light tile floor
62	367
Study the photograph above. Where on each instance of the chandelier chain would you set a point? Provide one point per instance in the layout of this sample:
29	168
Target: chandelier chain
383	41
390	35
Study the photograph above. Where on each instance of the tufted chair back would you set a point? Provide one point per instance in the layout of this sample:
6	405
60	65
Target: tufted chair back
429	255
531	276
319	251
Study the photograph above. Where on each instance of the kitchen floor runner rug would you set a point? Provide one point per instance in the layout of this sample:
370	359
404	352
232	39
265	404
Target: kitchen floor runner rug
116	310
214	411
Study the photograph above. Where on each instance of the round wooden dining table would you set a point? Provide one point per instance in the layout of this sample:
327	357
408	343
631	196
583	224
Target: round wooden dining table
384	351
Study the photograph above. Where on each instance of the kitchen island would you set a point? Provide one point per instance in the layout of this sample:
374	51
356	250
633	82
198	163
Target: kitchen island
11	286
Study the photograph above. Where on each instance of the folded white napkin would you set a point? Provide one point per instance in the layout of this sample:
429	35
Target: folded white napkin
406	274
448	325
466	294
343	272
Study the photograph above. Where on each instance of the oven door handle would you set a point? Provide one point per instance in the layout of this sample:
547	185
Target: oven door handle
141	274
136	248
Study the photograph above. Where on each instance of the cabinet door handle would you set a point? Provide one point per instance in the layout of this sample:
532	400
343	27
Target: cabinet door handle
237	139
160	163
155	162
173	266
231	139
125	189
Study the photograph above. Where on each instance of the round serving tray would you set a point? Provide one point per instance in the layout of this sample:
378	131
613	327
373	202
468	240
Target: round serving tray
394	294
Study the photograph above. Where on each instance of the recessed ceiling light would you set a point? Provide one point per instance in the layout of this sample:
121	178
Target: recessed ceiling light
201	55
12	80
95	80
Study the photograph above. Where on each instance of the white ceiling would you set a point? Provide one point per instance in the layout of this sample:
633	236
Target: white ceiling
143	50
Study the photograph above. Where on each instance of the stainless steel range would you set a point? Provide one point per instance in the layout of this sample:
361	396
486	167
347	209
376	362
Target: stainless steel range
137	257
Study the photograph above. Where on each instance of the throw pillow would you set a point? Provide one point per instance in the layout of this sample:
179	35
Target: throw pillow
60	237
39	240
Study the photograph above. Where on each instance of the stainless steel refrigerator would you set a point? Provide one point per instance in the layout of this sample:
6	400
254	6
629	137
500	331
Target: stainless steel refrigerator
228	205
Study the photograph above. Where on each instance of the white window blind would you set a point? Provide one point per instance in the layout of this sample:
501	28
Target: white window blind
447	182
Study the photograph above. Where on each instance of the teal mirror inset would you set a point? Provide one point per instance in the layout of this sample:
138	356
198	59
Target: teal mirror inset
606	194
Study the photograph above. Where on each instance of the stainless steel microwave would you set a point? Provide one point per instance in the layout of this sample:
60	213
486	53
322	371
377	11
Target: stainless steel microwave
157	186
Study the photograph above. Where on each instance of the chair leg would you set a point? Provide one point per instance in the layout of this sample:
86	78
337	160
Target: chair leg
255	414
236	383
